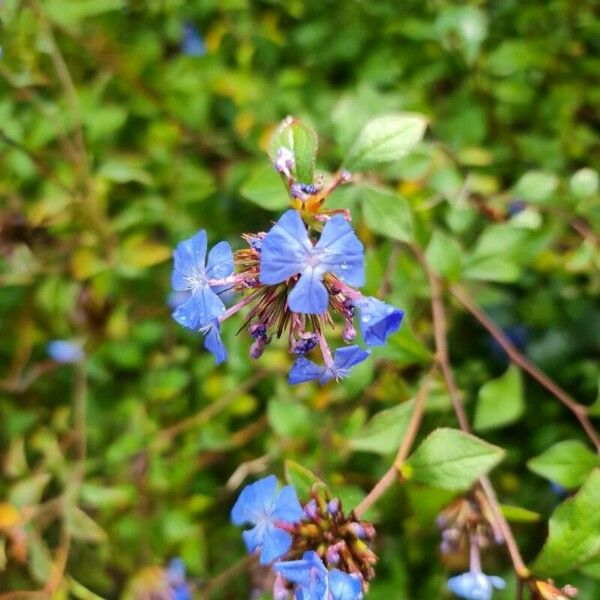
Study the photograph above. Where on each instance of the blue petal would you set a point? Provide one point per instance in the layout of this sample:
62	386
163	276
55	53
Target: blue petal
347	358
65	351
309	295
220	261
378	320
497	582
203	306
343	586
287	507
253	538
341	252
284	249
471	585
276	542
305	370
255	501
309	573
213	341
189	257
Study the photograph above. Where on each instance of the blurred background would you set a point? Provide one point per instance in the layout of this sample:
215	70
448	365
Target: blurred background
126	126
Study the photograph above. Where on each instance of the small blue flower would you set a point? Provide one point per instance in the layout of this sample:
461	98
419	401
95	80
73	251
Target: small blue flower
343	360
213	341
190	274
192	43
314	582
377	320
261	505
288	251
176	578
474	585
65	351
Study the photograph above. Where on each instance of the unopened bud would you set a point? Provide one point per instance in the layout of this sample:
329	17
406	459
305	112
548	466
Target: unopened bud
349	332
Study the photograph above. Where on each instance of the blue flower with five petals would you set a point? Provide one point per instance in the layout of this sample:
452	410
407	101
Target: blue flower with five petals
314	582
191	274
344	360
261	505
377	320
475	585
288	251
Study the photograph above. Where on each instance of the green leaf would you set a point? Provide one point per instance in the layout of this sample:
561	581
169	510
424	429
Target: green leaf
567	463
444	255
288	418
585	182
302	141
452	459
573	532
387	213
383	433
536	186
263	187
500	401
70	13
385	139
517	514
83	527
301	478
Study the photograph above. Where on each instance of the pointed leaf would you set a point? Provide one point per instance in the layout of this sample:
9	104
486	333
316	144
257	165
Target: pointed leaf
387	213
452	459
301	478
500	401
302	141
385	139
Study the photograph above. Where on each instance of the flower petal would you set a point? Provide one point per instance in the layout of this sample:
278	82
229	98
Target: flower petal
220	261
284	249
276	542
203	306
213	341
347	358
305	370
341	252
343	586
309	295
254	501
188	258
287	507
378	320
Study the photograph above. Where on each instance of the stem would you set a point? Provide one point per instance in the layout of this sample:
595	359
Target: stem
579	410
325	351
223	578
474	556
393	472
237	307
439	328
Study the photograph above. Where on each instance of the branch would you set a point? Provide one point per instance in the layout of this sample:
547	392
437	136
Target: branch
579	410
392	473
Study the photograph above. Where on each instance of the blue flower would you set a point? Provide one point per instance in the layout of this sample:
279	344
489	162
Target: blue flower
213	341
176	578
261	505
377	320
343	361
65	351
190	274
474	585
288	251
314	582
192	43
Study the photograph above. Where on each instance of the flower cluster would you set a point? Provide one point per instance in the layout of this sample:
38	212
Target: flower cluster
293	278
468	524
316	551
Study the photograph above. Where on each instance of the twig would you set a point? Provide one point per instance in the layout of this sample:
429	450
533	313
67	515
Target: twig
392	473
222	578
439	328
210	411
579	410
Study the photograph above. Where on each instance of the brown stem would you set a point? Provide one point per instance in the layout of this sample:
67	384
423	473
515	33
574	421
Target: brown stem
223	578
392	473
579	410
439	328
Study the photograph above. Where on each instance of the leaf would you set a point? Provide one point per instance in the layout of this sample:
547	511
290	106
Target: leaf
585	182
536	186
517	514
29	491
500	401
301	478
567	463
383	433
385	139
288	418
263	187
302	141
70	13
387	213
573	532
83	527
444	255
452	459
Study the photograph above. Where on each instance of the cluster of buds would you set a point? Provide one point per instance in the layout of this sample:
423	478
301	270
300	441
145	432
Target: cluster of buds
295	280
467	519
315	551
